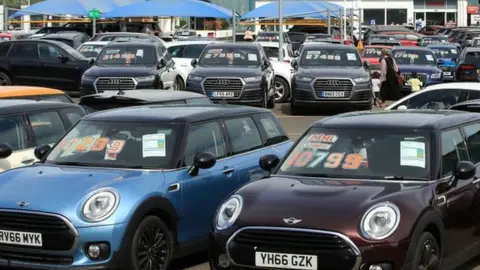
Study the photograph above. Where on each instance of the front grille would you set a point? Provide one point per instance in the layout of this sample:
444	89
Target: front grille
115	84
421	76
56	234
212	85
333	85
333	252
362	96
36	258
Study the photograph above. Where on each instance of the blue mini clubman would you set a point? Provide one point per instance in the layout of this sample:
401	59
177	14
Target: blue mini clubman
447	56
418	60
131	188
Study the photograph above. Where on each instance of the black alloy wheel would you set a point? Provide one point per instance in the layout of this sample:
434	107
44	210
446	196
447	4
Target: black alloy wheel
179	84
5	79
152	245
427	255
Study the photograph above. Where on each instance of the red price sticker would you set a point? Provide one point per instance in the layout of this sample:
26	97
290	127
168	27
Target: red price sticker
312	159
322	138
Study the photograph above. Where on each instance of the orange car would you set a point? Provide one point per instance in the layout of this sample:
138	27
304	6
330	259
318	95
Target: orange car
372	54
406	38
35	93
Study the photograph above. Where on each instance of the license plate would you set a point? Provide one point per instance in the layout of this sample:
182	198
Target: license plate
21	238
223	94
284	260
333	94
447	73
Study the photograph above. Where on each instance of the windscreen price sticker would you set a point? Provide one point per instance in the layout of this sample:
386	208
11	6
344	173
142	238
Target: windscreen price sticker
322	138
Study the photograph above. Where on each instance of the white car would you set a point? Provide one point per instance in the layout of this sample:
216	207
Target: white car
283	70
440	96
91	49
183	52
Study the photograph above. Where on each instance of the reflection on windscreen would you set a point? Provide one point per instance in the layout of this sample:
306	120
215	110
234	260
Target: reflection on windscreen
372	52
412	57
476	43
272	52
473	58
432	40
330	57
445	53
230	57
90	50
370	154
114	144
129	55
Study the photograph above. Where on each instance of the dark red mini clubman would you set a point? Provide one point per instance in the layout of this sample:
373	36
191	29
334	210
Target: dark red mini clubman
362	191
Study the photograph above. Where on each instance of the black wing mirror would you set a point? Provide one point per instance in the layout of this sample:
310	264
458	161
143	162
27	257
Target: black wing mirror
41	151
366	65
204	160
162	63
294	64
5	150
296	53
269	162
63	58
92	61
463	171
194	63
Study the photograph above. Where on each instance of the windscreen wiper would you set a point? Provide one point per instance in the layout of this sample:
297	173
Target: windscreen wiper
74	163
396	177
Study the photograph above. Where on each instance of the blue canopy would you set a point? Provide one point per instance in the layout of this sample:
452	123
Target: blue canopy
308	9
174	8
72	7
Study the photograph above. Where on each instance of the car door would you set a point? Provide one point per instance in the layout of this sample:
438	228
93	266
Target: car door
457	204
24	64
433	99
14	132
47	127
55	72
203	193
169	74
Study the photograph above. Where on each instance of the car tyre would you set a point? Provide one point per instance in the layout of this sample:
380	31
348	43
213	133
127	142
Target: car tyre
152	243
179	84
426	254
294	110
271	102
281	85
5	79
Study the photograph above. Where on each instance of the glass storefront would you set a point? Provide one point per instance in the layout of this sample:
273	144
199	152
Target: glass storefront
396	16
435	12
374	14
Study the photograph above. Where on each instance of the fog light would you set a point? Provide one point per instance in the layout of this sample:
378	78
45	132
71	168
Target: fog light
94	251
223	261
375	267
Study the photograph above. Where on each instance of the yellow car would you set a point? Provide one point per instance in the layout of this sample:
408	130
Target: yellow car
33	93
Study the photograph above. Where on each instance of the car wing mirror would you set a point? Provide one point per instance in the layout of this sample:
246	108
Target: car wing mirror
366	65
296	53
294	64
194	63
463	171
162	63
63	58
91	61
5	150
41	151
269	162
203	160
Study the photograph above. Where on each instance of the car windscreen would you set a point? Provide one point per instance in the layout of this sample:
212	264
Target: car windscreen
413	57
330	57
311	38
372	52
186	33
63	40
90	50
272	52
296	37
193	51
476	43
230	56
432	40
472	58
451	53
118	145
363	154
127	56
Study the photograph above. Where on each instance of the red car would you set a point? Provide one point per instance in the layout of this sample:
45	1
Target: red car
406	38
372	54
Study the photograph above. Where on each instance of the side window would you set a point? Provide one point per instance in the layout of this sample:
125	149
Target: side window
194	50
439	99
4	49
205	137
473	139
453	150
73	115
24	50
272	129
472	94
47	127
48	52
244	134
176	51
13	132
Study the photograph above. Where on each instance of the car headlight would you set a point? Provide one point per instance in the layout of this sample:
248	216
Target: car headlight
100	205
253	79
86	78
228	212
380	221
362	79
303	79
436	75
194	78
145	78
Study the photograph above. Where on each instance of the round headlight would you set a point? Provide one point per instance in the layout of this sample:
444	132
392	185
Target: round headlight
228	212
100	205
380	221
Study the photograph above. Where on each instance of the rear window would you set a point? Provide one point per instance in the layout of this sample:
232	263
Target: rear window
64	41
59	98
472	57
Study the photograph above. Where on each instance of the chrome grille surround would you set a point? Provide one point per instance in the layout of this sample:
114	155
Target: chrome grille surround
115	84
321	85
217	84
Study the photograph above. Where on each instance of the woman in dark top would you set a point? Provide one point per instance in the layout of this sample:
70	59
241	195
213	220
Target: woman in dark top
389	90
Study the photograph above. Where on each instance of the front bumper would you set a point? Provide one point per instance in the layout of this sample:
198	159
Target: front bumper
242	256
307	95
250	93
448	73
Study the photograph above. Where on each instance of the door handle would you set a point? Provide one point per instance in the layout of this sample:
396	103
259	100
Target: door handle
28	161
228	171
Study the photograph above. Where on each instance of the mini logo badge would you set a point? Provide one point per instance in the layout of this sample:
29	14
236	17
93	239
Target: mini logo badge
23	203
291	221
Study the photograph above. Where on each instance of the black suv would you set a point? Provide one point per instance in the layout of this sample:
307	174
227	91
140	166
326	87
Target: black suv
330	74
44	63
236	73
128	66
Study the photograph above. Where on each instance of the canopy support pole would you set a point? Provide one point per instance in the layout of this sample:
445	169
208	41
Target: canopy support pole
351	23
94	27
329	22
344	19
280	25
360	22
234	26
5	16
342	32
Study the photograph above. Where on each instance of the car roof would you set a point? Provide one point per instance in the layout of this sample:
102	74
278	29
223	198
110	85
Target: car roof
63	35
379	46
439	45
96	43
192	42
177	113
328	46
121	33
234	45
472	49
271	44
18	91
411	48
398	119
148	95
132	43
15	106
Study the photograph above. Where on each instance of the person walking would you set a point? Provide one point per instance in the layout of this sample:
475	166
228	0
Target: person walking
390	89
248	35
